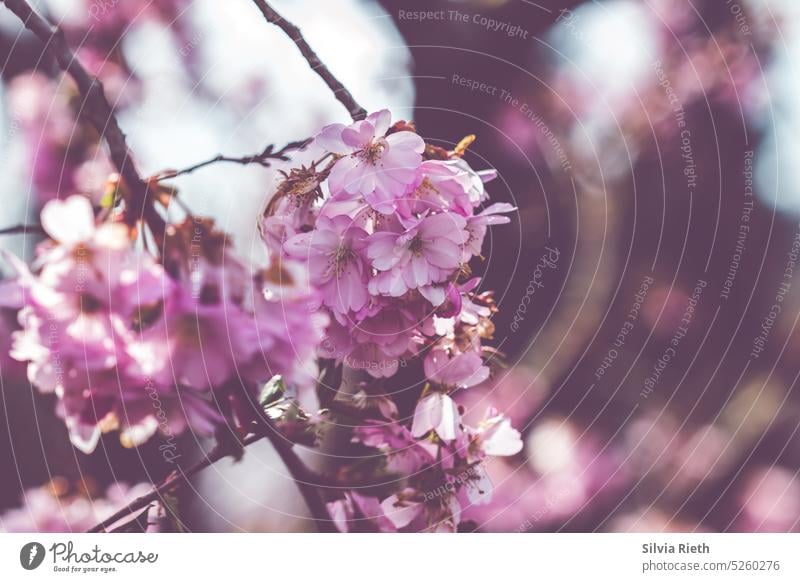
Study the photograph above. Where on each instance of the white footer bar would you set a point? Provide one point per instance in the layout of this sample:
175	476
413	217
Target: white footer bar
402	557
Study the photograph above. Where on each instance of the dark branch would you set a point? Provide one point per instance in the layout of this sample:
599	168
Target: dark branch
303	478
306	480
265	158
22	229
95	108
340	91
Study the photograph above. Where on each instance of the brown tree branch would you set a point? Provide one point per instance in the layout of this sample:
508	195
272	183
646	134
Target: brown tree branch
95	108
303	478
306	480
264	159
339	91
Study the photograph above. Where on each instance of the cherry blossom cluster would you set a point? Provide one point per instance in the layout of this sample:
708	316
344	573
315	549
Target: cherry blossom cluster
125	340
368	267
387	229
388	226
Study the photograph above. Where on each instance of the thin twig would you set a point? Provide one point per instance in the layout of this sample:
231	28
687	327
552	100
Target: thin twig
339	91
22	229
95	108
175	480
307	481
265	158
263	427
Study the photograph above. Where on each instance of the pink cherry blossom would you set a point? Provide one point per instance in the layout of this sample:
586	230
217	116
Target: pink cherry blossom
475	188
288	220
439	186
390	324
495	436
361	513
433	513
377	339
436	413
108	330
288	330
404	454
371	160
460	370
478	224
337	266
416	253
